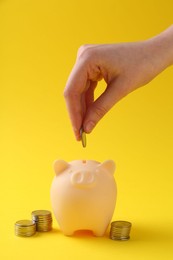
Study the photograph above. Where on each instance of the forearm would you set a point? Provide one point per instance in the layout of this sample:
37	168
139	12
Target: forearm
161	48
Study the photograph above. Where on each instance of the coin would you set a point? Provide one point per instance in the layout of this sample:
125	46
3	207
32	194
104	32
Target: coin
83	137
120	230
42	219
25	228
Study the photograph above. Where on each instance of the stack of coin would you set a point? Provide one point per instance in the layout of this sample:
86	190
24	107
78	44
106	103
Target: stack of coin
120	230
25	228
42	219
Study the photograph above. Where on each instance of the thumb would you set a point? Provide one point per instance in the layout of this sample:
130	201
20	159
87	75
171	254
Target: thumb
95	112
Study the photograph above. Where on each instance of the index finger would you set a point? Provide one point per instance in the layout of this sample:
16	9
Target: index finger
74	97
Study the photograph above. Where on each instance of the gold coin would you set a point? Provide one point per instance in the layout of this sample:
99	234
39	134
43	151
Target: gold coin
25	228
41	213
83	137
120	230
43	220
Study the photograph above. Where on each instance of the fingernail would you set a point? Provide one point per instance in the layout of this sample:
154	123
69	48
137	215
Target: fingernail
89	127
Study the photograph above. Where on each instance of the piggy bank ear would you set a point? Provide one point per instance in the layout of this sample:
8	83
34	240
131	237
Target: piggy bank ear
108	165
59	166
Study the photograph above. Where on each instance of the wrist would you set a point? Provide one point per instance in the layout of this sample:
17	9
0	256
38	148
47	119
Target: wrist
162	48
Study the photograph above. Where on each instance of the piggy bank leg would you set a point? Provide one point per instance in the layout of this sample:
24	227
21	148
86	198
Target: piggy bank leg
67	232
99	232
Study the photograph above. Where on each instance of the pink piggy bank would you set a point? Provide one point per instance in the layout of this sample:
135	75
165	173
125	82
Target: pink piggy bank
83	195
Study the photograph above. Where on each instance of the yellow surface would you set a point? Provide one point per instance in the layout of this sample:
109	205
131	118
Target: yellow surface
38	44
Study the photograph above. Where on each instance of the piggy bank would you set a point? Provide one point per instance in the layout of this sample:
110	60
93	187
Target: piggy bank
83	195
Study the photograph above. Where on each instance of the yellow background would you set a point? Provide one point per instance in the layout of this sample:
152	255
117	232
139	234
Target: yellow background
38	44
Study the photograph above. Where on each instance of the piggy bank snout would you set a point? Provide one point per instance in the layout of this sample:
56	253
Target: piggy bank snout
82	178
